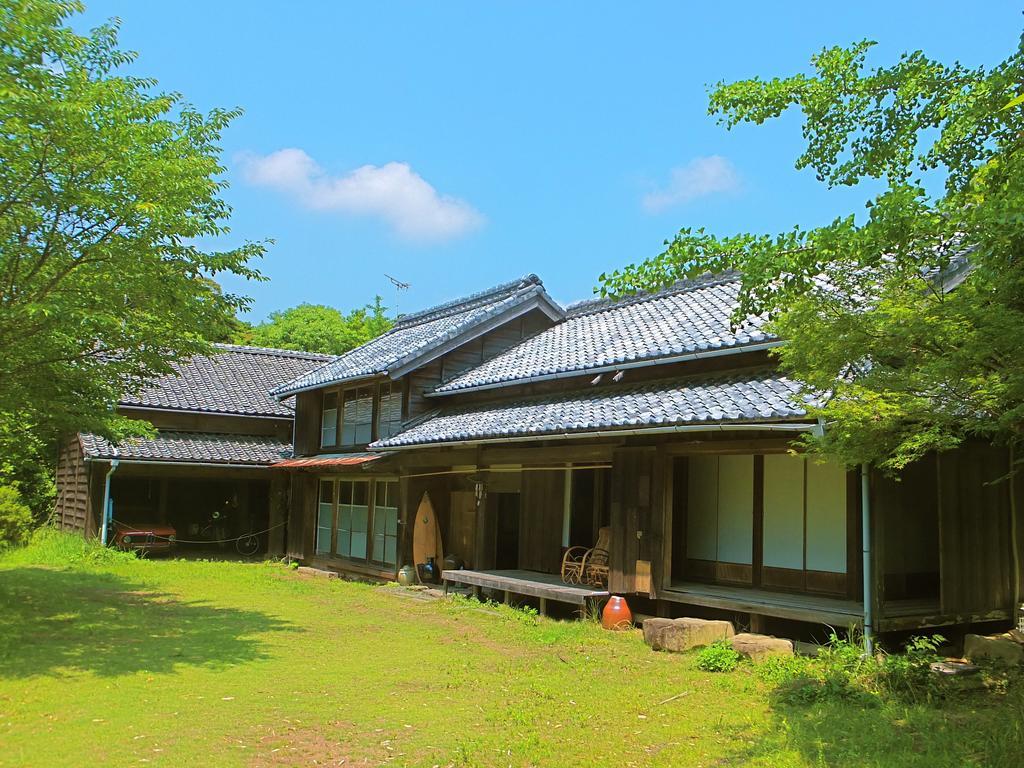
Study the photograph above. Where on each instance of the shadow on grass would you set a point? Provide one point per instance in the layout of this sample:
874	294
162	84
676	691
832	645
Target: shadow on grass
981	729
55	621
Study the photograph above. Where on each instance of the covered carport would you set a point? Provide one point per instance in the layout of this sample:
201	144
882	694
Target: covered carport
211	488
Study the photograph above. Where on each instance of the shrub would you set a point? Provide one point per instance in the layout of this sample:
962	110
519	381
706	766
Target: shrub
15	517
718	657
842	671
907	674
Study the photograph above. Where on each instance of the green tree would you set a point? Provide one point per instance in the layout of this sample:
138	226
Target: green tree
319	328
107	189
908	365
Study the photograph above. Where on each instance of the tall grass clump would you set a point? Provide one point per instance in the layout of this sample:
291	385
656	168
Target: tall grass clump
49	546
842	670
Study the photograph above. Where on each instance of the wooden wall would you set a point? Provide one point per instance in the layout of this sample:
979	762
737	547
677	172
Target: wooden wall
424	379
213	422
637	516
1018	512
461	538
540	520
72	477
302	516
277	512
975	558
307	422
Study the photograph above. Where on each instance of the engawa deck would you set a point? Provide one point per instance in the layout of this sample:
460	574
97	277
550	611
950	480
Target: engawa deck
895	614
801	607
545	586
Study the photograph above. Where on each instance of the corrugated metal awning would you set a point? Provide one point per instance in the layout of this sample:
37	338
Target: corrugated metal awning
329	460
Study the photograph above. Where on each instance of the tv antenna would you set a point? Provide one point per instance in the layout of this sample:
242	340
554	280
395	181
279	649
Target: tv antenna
399	287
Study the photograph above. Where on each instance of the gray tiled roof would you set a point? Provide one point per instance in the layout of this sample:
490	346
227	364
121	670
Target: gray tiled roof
692	317
742	397
207	448
236	380
417	334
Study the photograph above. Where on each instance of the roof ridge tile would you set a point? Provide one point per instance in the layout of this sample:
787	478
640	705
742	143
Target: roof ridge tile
463	303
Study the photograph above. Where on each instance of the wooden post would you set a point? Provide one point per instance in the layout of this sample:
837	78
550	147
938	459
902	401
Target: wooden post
162	501
757	623
543	606
277	510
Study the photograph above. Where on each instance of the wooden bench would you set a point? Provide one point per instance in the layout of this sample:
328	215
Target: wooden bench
544	586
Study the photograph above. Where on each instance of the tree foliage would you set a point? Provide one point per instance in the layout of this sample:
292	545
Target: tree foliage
107	188
318	328
908	365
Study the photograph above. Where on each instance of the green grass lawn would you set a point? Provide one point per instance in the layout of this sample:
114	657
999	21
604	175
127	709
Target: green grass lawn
215	663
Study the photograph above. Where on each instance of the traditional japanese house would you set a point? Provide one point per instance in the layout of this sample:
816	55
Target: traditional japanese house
346	500
208	471
531	428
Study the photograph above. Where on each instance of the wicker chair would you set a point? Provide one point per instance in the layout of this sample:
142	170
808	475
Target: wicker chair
581	565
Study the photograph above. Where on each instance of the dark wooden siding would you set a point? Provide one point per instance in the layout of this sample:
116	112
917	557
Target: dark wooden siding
535	322
635	495
307	422
72	477
461	538
1018	498
975	558
302	516
213	422
421	381
497	341
460	360
277	512
540	526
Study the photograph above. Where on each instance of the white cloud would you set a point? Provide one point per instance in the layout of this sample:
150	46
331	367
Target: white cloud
393	192
700	177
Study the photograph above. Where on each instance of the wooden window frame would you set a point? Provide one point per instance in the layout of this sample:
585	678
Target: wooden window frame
371	506
323	412
395	390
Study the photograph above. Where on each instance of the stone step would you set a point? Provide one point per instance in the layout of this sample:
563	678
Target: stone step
760	647
678	635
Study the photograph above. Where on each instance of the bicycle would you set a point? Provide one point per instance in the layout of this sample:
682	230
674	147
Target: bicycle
248	544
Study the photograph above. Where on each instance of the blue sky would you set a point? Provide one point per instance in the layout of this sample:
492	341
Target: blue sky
456	145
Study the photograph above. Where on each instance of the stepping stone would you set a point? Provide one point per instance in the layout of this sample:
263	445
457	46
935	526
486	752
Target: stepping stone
678	635
1002	648
954	668
305	570
760	647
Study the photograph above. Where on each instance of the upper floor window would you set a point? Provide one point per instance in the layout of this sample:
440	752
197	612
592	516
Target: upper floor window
389	421
357	416
329	420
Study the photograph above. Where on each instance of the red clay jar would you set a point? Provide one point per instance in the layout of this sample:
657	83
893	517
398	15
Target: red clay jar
616	614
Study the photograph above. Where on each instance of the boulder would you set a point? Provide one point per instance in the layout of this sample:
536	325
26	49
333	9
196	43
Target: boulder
677	635
760	647
1003	648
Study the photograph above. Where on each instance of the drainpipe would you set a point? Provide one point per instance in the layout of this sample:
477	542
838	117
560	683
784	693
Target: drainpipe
106	502
1014	536
865	514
